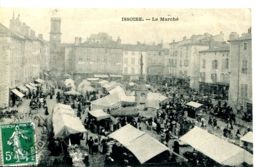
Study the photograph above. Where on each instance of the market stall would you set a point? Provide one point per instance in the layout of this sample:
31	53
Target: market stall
109	101
193	108
72	93
69	83
140	144
247	141
65	122
99	114
154	99
216	148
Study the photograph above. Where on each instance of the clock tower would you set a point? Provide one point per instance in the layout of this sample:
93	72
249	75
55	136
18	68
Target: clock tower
56	55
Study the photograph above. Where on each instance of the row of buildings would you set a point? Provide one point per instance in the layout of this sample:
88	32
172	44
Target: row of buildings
207	62
23	56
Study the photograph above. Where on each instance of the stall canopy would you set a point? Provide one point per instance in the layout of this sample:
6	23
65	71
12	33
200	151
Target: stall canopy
85	86
99	114
120	93
30	87
39	81
106	102
72	92
131	84
111	85
92	79
218	149
116	76
17	93
194	104
154	99
69	83
33	84
103	82
142	145
65	121
23	88
248	137
101	76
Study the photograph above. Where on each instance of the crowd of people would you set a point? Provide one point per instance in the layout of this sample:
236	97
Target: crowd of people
170	122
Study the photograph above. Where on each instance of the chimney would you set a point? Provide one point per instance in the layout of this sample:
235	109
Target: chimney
184	38
249	30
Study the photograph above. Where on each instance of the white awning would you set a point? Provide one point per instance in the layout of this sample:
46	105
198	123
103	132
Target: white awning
142	145
23	88
65	122
101	76
194	104
218	149
99	114
40	81
30	87
17	93
116	76
33	84
92	79
247	137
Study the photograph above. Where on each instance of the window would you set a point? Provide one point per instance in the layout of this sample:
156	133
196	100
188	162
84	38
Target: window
226	63
214	77
215	64
243	90
180	63
126	60
245	46
133	53
244	66
203	63
132	70
186	63
133	60
125	70
202	76
126	52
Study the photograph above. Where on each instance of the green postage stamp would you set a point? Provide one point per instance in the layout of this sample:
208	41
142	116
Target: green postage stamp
17	144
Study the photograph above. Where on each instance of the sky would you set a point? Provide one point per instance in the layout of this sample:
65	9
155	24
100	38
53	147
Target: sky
84	22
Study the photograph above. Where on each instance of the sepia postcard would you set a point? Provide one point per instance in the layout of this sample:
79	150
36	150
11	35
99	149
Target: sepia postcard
126	87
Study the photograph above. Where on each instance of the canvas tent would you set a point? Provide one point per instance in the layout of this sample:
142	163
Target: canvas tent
105	102
111	85
218	149
69	83
99	114
194	104
65	122
142	145
153	100
103	82
18	93
40	81
120	93
248	137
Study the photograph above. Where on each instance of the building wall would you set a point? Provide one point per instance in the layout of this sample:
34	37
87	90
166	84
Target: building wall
4	71
98	60
131	62
240	92
207	59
